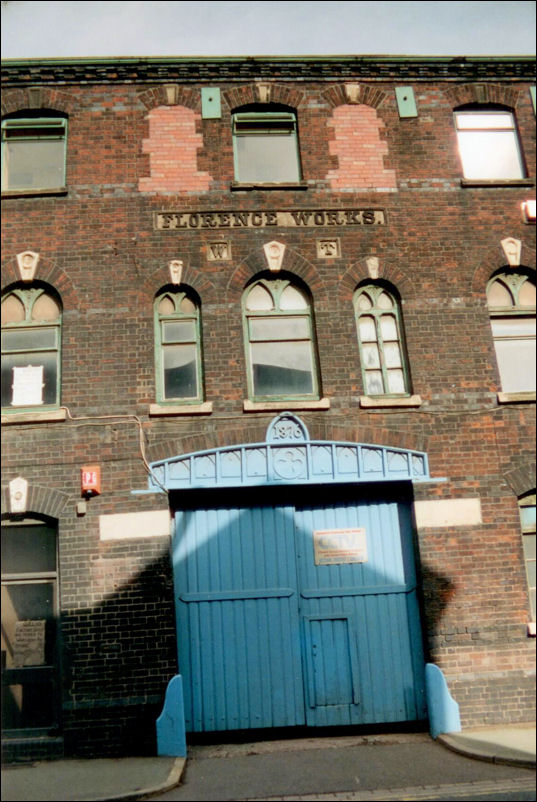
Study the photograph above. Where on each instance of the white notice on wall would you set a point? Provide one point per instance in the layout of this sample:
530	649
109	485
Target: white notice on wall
337	546
29	645
27	386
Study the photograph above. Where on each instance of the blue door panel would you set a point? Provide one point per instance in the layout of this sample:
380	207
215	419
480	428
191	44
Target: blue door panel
267	638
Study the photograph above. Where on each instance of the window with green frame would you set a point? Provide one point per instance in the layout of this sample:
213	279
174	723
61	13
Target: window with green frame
34	152
265	145
380	338
511	303
31	345
526	507
279	341
178	346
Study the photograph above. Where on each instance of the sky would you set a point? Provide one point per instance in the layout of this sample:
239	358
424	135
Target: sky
326	27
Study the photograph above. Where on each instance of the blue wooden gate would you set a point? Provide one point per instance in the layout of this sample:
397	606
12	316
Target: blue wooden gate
296	605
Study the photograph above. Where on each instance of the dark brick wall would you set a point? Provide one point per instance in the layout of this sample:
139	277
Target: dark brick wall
98	248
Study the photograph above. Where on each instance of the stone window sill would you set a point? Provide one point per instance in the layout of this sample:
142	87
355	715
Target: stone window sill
508	182
282	406
160	410
369	402
516	398
33	193
236	186
35	417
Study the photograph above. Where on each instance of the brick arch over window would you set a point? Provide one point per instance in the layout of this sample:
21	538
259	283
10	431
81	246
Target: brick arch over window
41	501
171	95
387	271
462	94
256	262
191	277
255	432
47	272
42	97
494	259
262	92
354	93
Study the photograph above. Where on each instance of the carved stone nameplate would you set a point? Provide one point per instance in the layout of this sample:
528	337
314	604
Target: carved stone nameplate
302	218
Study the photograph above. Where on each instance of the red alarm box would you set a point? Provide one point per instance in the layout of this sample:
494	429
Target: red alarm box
90	478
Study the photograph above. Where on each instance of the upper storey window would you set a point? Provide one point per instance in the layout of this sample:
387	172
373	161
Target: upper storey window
33	153
178	347
488	144
265	145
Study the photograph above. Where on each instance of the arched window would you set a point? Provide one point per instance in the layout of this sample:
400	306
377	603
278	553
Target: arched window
511	302
31	344
33	151
265	144
488	143
279	341
380	338
526	506
178	346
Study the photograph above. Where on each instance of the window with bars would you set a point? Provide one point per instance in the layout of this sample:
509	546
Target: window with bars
380	338
280	341
31	346
178	352
511	303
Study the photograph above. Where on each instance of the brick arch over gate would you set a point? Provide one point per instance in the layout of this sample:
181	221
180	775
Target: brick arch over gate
248	431
256	263
40	501
46	271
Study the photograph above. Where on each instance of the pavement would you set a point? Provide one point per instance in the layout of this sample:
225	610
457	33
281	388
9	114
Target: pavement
140	777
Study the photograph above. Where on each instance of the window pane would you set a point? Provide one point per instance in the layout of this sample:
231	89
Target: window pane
527	517
364	302
34	164
513	326
526	296
499	295
12	310
45	308
28	601
384	301
28	705
259	299
392	355
267	158
388	327
49	361
166	306
368	332
396	381
187	306
279	328
28	549
530	567
292	298
178	331
373	381
371	355
484	120
516	363
490	154
180	371
28	339
282	368
529	546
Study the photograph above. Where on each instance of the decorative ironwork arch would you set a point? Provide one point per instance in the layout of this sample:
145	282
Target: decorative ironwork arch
288	456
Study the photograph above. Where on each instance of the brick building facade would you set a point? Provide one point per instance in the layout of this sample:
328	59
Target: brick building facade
195	251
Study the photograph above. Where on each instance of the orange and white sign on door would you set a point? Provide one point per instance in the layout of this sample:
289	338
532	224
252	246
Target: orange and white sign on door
90	477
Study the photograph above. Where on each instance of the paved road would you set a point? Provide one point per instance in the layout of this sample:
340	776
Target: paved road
402	767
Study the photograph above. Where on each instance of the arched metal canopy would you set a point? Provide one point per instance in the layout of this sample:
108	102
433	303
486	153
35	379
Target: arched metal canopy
288	456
